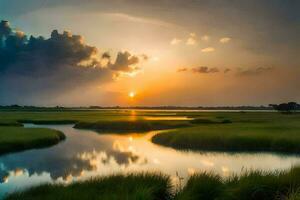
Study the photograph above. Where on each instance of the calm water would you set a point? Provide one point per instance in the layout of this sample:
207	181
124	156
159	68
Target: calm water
85	153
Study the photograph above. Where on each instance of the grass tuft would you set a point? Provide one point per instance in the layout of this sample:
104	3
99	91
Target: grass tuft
252	185
146	186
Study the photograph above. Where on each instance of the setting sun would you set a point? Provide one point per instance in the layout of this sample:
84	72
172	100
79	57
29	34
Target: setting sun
131	94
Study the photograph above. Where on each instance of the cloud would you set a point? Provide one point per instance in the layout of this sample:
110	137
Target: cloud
145	57
227	70
182	69
32	66
124	62
208	49
141	20
106	55
191	40
225	40
175	41
205	38
205	70
254	71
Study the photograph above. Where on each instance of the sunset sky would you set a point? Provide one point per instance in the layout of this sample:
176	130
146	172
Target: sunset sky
149	53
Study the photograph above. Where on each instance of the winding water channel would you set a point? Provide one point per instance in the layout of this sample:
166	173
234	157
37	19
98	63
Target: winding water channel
86	153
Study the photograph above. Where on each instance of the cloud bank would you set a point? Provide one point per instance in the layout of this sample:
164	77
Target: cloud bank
254	71
239	71
205	70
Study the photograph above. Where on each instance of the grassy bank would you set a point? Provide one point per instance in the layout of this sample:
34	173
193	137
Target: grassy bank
220	131
130	126
18	138
130	187
252	185
280	135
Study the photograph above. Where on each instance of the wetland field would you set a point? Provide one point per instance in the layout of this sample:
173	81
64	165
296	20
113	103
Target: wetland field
149	154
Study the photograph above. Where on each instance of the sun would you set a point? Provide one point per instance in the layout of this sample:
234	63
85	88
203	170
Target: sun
131	94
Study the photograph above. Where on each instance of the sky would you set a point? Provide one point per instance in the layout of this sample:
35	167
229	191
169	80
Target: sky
149	53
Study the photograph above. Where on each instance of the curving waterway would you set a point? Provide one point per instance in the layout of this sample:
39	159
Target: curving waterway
86	153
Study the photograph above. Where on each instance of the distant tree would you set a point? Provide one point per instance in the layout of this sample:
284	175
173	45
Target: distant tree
15	106
286	107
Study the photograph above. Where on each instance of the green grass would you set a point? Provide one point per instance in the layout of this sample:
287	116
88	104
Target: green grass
125	187
18	138
267	132
76	116
293	195
252	185
218	131
130	126
11	124
60	122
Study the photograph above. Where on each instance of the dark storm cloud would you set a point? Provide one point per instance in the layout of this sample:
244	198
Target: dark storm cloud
33	66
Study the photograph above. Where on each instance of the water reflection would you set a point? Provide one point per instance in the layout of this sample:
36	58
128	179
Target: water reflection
85	153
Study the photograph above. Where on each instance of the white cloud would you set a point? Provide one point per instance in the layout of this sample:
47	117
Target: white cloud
136	19
205	38
225	40
192	34
175	41
208	49
191	40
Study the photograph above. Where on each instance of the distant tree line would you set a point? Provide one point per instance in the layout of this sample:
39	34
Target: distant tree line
286	107
19	107
283	107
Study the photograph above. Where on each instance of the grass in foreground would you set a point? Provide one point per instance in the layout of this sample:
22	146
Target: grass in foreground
129	187
280	135
252	185
18	138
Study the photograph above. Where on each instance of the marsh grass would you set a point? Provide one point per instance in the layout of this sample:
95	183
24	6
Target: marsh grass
210	121
130	126
280	136
251	185
217	131
146	186
11	124
14	139
48	122
293	195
